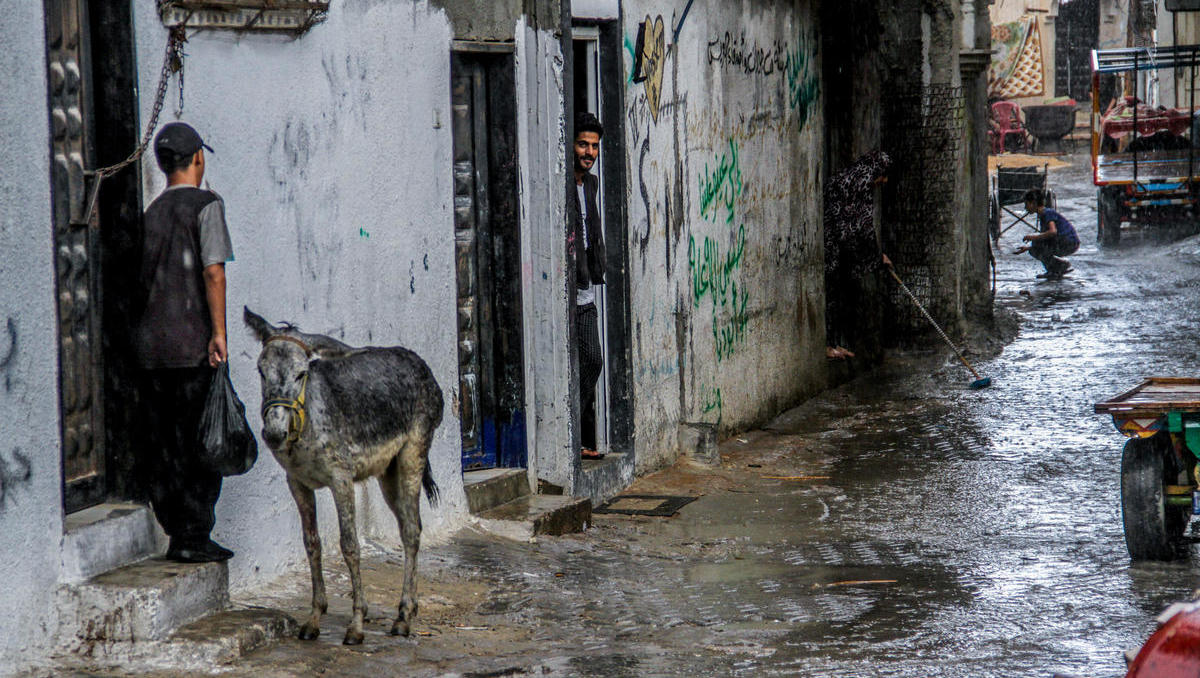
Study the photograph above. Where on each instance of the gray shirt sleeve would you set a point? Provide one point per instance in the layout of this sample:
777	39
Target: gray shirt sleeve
215	246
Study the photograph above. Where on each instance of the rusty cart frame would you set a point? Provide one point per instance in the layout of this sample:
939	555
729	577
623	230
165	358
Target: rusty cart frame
1161	418
1145	186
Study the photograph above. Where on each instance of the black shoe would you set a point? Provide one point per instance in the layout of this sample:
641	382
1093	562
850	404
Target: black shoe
217	549
198	552
1044	276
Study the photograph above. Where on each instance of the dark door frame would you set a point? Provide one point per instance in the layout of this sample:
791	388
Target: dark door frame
502	400
616	233
92	111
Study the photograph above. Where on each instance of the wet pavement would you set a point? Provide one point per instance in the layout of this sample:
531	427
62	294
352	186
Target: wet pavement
901	525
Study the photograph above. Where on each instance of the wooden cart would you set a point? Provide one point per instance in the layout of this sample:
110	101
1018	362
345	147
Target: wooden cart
1161	418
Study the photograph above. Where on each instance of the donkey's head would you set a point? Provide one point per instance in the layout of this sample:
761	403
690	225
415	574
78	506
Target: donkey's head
283	369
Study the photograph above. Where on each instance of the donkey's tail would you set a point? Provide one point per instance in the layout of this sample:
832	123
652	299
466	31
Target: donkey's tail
431	488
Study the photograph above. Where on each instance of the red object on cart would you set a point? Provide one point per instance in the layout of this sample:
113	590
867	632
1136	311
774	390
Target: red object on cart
1173	651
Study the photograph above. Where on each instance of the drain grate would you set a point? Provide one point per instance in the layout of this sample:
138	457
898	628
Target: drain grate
644	505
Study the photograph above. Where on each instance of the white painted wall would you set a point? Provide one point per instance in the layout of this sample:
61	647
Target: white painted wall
333	154
30	464
738	355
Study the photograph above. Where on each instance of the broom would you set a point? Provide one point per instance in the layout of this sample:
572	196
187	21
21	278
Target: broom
980	382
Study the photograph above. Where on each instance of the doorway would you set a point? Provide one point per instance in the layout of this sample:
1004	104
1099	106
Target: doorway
598	88
487	260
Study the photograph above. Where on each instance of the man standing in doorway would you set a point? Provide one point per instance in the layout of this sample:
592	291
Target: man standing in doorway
586	239
179	340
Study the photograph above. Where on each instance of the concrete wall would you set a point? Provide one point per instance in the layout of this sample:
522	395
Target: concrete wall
540	111
724	165
333	154
30	463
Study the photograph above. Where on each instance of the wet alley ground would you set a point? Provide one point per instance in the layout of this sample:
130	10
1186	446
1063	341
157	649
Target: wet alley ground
900	525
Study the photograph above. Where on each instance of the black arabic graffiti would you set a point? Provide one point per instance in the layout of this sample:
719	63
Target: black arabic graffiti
732	51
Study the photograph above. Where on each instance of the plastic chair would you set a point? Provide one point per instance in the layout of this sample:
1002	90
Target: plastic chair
1007	116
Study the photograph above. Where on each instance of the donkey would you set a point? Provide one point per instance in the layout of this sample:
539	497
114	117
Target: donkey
333	415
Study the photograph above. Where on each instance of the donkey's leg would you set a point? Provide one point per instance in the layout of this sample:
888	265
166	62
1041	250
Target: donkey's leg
404	473
343	498
306	503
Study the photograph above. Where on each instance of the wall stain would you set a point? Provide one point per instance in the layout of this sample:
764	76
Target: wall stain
14	473
8	362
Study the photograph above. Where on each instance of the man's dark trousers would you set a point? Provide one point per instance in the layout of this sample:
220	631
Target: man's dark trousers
591	364
181	491
1045	251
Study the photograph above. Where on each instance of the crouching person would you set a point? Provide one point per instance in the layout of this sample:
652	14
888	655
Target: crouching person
179	340
1055	240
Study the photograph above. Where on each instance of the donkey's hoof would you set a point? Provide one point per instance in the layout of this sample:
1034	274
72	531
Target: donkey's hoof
353	637
309	632
400	628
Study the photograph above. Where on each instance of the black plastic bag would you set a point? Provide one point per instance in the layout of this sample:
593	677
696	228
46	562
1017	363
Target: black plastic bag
227	445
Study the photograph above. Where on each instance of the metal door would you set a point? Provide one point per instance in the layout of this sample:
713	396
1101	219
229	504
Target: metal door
487	260
76	250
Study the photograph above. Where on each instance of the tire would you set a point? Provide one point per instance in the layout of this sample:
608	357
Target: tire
1151	527
1108	219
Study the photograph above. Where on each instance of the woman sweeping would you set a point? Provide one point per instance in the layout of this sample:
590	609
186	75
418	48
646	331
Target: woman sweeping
851	245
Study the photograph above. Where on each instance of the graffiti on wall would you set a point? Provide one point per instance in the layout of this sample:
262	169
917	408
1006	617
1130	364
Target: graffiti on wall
713	275
650	56
796	63
14	472
803	81
721	185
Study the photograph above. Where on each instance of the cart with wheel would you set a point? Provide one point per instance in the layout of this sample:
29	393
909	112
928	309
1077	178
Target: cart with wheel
1145	158
1006	207
1161	418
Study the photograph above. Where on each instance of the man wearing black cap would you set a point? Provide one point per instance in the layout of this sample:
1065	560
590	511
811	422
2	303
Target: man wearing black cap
179	340
586	237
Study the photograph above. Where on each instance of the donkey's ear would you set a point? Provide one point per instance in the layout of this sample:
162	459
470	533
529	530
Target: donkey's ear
326	346
257	324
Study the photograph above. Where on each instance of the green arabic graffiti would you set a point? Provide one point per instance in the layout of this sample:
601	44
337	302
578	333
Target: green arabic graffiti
721	186
712	275
804	87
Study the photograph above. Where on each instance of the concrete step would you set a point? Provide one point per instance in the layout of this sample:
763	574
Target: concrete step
158	614
534	514
492	487
106	537
201	646
144	601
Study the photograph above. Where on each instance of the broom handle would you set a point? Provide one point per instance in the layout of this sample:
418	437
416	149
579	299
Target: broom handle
934	323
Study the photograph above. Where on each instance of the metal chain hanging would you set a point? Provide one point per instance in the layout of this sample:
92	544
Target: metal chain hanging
172	63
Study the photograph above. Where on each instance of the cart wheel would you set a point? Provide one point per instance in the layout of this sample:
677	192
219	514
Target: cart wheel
1108	218
1151	527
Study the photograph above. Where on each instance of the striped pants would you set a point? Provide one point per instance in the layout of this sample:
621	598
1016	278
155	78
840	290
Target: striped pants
591	364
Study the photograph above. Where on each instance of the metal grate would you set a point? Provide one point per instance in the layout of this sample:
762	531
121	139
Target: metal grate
923	134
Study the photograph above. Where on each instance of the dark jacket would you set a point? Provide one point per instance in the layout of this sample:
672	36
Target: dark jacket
589	264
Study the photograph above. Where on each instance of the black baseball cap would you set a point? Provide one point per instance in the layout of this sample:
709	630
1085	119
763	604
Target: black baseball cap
179	138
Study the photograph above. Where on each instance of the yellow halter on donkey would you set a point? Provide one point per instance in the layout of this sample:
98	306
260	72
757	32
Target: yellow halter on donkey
298	417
